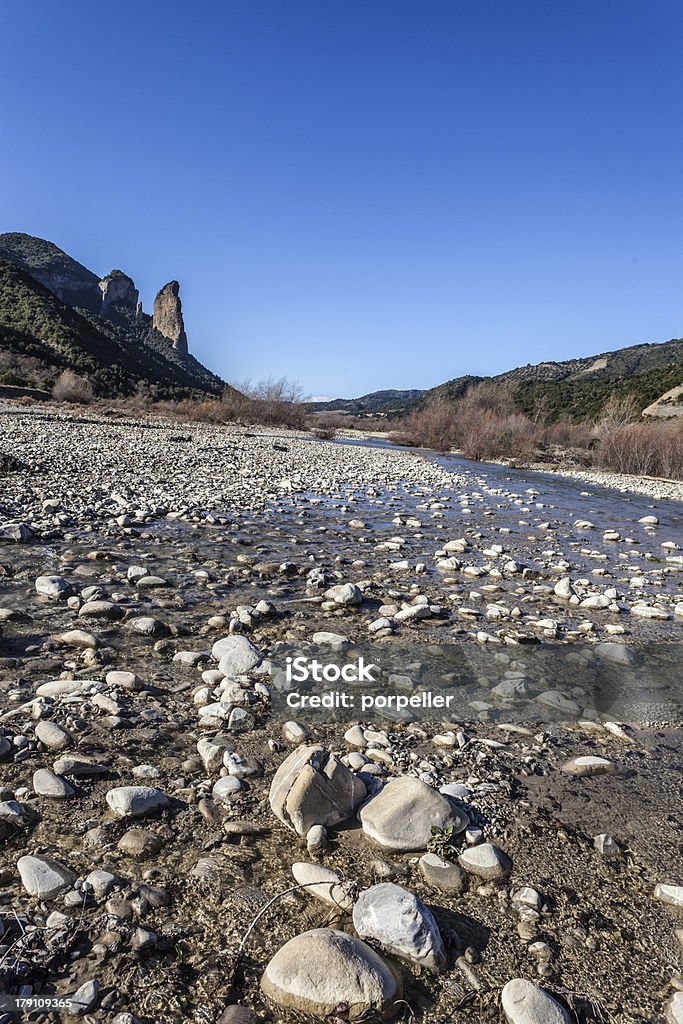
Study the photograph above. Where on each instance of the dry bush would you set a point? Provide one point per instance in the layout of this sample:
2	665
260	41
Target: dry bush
643	449
483	434
617	411
434	427
569	435
69	387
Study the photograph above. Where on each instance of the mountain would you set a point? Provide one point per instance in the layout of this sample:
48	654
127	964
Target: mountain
383	403
577	389
55	314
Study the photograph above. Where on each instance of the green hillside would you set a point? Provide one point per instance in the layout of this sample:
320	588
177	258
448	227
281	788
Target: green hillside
40	336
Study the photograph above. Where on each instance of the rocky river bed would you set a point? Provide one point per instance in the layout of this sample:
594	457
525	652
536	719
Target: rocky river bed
176	844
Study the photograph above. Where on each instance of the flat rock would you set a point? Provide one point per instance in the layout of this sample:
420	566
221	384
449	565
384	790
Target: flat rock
671	895
324	884
46	783
673	1011
101	610
588	764
44	877
401	924
135	801
139	843
526	1003
319	970
53	586
404	812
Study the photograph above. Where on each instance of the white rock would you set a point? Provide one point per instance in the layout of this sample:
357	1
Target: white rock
135	801
485	861
319	970
526	1003
324	884
401	924
44	877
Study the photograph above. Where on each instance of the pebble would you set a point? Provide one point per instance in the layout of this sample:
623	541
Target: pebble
486	861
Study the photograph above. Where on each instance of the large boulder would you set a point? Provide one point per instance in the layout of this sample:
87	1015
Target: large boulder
318	971
402	815
401	924
312	787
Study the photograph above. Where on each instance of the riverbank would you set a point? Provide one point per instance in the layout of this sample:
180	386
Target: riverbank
155	798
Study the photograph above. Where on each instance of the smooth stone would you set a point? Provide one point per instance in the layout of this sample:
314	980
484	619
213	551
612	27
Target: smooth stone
671	895
441	873
322	969
101	610
401	924
526	1003
62	687
485	861
135	801
52	735
587	764
226	789
44	877
78	638
673	1010
46	783
53	586
402	815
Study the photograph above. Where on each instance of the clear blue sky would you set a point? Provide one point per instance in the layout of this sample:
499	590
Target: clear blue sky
360	194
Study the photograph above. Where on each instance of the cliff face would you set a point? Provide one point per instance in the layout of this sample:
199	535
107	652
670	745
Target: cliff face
118	293
115	297
57	314
65	277
168	316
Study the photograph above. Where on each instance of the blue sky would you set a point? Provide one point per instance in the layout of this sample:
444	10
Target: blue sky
360	195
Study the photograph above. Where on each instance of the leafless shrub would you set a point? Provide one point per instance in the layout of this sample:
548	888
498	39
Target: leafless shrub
69	387
644	449
434	427
617	411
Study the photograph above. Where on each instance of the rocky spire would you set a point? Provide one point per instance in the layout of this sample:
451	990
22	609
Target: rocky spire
168	316
119	291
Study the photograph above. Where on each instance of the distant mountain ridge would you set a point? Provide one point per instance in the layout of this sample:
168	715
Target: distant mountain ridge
384	402
650	374
578	388
55	314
